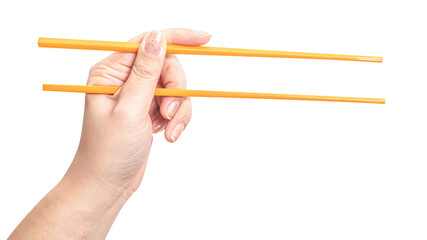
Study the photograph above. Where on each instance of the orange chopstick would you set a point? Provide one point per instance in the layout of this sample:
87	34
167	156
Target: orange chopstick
196	50
203	93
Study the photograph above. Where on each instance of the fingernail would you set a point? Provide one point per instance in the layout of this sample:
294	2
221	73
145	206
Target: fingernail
177	132
172	108
159	127
153	44
203	34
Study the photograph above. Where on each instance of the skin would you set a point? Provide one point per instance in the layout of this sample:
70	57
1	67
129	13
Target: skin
116	139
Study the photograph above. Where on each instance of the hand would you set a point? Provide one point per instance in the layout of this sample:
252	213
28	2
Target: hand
116	139
117	130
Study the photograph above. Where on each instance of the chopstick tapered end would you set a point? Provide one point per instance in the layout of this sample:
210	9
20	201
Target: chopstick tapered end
380	101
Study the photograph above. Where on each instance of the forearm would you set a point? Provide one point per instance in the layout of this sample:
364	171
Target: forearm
76	208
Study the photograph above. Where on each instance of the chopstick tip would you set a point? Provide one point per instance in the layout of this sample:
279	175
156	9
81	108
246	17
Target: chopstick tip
381	101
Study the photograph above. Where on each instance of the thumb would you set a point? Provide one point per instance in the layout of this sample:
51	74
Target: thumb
139	88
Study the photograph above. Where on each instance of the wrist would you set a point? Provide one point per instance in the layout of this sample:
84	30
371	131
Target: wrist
93	187
100	175
88	202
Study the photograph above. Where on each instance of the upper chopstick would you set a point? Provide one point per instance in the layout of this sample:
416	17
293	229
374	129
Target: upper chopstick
203	93
196	50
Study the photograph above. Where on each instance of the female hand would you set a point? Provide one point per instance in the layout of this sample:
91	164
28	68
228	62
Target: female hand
116	139
117	130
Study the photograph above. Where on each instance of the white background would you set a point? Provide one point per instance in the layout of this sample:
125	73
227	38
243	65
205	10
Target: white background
243	169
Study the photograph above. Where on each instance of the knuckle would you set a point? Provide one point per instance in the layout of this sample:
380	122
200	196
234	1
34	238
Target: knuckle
96	73
171	62
97	77
95	69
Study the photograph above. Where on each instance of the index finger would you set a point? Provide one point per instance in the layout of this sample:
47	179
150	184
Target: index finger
185	36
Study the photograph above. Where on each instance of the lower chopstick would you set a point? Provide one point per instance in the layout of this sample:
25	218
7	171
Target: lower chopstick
218	94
